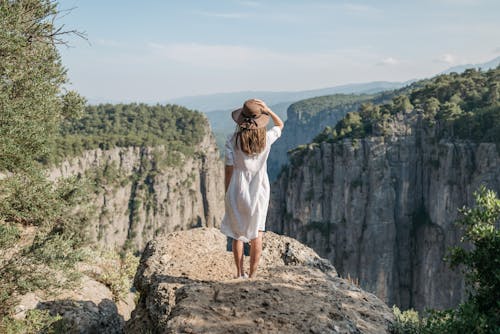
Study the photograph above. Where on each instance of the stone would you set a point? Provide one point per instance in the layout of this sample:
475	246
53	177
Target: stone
310	295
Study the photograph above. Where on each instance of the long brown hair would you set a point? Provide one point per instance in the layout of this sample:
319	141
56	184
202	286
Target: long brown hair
251	141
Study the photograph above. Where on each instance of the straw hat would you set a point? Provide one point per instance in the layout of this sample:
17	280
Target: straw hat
251	116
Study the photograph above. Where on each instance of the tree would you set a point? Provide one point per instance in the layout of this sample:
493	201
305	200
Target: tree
350	126
32	98
482	262
32	104
402	103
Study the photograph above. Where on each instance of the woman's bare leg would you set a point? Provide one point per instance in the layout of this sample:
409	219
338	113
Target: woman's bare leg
238	256
255	252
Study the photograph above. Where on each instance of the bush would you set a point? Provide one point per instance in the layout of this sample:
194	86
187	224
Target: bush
119	278
49	260
9	234
36	321
407	322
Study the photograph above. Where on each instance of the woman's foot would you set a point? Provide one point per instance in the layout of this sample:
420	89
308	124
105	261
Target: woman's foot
244	276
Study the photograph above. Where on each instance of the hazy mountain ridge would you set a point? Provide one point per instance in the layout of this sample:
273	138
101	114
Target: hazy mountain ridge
230	101
484	66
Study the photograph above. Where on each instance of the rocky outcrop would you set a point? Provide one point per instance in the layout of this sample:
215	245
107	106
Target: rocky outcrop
186	286
140	192
382	209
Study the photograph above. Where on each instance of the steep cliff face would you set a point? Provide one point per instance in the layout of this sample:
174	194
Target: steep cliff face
305	119
137	195
382	209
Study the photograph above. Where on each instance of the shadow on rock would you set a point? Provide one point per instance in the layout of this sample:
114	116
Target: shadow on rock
85	317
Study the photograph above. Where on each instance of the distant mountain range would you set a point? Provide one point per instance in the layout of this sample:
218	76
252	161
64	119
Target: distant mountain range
484	66
227	101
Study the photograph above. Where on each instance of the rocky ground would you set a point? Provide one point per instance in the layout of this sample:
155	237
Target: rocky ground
186	285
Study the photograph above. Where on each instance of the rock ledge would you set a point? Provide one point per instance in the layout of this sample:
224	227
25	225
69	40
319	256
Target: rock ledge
186	286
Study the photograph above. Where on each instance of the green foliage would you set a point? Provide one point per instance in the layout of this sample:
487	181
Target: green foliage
31	199
480	313
482	263
482	125
401	103
32	104
465	106
407	322
9	234
308	108
118	278
31	79
36	321
106	126
351	125
465	319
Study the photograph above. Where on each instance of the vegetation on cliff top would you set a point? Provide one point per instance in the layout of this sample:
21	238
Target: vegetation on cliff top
106	126
309	108
464	106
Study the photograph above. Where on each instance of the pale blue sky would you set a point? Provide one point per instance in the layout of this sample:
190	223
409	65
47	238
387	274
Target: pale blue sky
155	50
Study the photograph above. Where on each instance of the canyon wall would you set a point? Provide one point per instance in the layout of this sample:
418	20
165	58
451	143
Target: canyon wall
382	209
136	194
301	127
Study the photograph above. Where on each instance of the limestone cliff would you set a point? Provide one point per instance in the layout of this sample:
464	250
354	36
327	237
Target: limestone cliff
137	195
186	286
305	119
382	209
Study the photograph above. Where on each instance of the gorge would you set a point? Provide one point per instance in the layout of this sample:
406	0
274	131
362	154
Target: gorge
378	194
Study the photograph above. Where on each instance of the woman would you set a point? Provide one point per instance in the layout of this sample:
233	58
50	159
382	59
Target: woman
246	180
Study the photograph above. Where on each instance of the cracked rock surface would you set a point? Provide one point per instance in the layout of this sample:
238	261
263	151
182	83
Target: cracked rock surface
186	284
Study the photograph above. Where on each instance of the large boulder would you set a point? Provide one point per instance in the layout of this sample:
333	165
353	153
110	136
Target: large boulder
186	285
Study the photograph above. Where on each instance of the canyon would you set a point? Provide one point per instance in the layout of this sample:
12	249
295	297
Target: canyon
382	208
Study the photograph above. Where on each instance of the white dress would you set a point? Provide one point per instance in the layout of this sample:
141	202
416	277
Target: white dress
247	197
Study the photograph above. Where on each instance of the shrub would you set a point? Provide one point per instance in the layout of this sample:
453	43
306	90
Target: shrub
117	279
36	321
9	234
407	322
